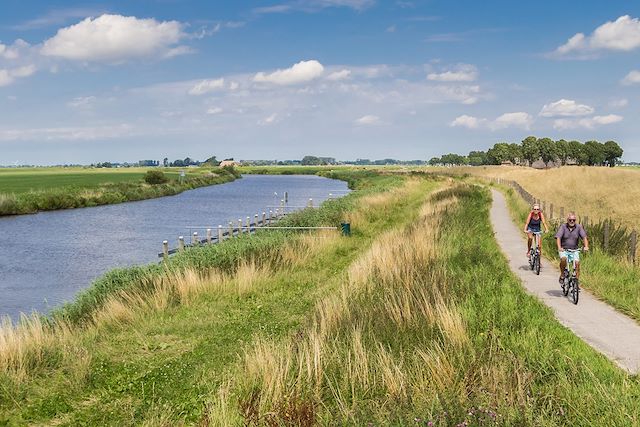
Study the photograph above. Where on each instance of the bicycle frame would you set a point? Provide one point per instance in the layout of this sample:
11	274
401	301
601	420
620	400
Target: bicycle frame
571	283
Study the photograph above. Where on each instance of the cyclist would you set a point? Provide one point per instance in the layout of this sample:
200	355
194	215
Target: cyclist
532	225
567	238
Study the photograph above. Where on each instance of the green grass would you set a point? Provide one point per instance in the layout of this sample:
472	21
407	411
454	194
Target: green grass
449	339
167	362
33	190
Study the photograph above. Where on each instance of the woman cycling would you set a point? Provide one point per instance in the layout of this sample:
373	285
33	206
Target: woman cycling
532	225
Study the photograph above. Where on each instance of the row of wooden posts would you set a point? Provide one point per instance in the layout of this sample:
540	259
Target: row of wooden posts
548	210
235	229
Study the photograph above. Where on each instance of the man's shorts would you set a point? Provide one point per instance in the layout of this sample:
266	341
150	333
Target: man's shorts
570	255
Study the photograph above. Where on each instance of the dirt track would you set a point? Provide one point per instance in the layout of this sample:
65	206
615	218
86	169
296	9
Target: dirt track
611	333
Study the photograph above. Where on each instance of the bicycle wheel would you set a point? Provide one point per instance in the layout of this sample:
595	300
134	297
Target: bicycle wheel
531	261
565	285
536	264
575	290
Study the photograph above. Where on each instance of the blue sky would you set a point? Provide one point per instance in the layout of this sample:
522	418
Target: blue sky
83	82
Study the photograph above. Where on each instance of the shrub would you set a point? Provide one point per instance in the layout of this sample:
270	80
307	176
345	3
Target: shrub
155	177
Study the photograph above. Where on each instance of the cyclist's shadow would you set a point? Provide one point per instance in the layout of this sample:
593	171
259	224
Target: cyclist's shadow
555	292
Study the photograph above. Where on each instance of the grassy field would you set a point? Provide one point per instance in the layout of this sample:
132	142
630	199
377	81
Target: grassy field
597	192
31	190
21	180
414	320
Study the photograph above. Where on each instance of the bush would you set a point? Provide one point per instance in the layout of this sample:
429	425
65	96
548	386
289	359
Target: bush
155	177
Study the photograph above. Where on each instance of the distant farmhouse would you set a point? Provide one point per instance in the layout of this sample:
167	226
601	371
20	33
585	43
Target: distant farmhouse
229	162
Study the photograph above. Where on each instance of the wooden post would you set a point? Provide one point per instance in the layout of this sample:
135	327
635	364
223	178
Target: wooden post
220	234
544	207
550	210
282	207
286	197
264	219
239	226
194	239
310	203
209	237
632	248
330	196
270	216
230	229
606	235
256	222
180	243
249	224
585	222
165	250
562	213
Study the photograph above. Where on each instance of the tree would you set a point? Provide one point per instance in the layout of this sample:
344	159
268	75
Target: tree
453	159
477	158
435	161
311	161
165	162
515	153
575	151
548	150
562	148
212	161
500	152
595	153
612	153
530	149
155	177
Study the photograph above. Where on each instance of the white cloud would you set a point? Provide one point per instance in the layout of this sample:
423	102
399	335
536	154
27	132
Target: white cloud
215	110
5	78
234	85
368	120
8	76
507	120
67	133
565	108
339	75
268	120
518	120
116	38
81	101
206	86
24	71
460	73
586	123
16	50
623	34
632	78
302	72
618	103
467	122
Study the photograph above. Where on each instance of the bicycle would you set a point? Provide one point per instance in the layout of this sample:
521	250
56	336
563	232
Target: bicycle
534	256
571	284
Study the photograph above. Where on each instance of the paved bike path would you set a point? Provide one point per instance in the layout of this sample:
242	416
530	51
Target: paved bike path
608	331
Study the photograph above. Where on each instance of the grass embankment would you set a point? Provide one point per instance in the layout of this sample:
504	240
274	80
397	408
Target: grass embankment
598	192
429	328
33	190
151	344
610	278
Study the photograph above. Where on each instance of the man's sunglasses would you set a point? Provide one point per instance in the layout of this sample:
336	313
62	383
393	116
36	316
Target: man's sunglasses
572	220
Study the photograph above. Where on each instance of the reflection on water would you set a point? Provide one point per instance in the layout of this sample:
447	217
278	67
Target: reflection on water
45	259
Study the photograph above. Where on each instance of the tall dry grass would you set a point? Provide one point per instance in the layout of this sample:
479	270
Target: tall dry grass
597	192
347	357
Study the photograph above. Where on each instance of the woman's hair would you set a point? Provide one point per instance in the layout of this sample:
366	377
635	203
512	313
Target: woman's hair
536	206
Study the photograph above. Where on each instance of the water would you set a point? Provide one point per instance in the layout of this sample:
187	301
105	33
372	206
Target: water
47	258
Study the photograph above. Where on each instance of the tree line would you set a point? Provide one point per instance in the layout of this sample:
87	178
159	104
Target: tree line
533	149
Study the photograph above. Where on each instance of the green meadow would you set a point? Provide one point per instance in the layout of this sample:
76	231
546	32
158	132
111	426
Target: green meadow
30	190
21	180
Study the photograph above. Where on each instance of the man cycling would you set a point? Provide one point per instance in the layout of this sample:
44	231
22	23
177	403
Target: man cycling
532	225
567	238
